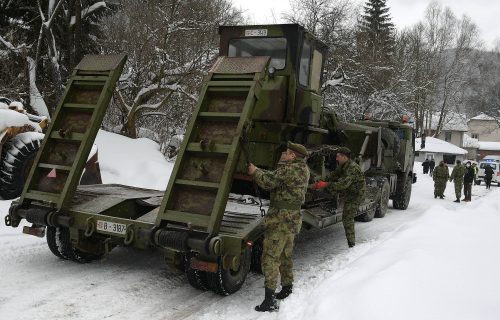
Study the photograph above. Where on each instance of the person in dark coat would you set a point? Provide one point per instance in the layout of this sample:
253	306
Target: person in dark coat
488	175
468	180
432	164
425	164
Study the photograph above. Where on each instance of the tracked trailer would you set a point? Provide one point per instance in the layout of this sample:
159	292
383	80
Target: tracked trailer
263	90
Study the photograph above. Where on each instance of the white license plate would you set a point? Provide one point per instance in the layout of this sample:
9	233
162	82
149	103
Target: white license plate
256	33
113	227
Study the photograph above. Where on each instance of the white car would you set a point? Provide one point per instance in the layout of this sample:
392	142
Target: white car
494	163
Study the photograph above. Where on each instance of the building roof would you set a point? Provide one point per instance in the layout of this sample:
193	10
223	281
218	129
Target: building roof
483	116
489	145
470	142
438	146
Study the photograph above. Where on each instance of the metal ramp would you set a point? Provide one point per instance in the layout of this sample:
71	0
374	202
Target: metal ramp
59	164
200	183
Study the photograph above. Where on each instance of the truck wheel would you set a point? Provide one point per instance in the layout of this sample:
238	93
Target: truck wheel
256	264
383	202
70	252
17	159
226	281
196	278
402	200
54	241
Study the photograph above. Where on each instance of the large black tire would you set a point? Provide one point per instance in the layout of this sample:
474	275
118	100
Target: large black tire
16	161
366	217
196	278
383	201
68	251
226	281
402	199
54	241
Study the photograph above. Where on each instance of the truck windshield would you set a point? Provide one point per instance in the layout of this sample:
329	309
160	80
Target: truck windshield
253	47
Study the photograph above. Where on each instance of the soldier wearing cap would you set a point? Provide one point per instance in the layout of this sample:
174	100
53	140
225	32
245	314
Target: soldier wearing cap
348	182
288	186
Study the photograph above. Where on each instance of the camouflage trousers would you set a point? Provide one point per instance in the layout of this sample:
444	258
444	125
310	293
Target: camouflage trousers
439	187
348	214
277	257
458	188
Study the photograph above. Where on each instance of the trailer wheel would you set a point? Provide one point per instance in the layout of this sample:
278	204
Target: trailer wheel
54	241
70	252
402	200
196	278
226	281
16	161
383	202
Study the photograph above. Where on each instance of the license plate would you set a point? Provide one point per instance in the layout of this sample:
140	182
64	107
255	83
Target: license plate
113	227
256	33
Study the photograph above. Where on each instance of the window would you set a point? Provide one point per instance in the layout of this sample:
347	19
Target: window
449	158
447	136
317	63
305	59
475	136
255	47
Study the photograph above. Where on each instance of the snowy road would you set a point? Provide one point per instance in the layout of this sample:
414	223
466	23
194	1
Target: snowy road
133	284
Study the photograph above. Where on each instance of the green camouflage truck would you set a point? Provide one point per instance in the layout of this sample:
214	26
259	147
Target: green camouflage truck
263	90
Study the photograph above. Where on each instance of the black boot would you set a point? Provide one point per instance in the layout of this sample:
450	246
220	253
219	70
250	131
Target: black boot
269	304
285	292
458	200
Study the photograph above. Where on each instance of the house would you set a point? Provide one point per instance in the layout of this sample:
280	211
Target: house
438	150
453	129
484	128
471	145
488	148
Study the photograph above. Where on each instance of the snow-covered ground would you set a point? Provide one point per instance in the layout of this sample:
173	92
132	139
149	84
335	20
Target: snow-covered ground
436	260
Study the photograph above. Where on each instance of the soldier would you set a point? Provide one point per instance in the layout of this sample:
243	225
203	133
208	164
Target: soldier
440	176
458	175
349	183
432	164
488	175
468	180
476	172
288	186
425	166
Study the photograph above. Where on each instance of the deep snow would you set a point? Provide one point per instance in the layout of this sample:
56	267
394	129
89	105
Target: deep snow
436	260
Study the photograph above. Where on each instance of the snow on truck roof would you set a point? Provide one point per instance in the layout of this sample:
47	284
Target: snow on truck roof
438	146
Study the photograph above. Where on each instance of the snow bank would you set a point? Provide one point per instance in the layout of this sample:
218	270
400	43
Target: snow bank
133	162
444	265
9	118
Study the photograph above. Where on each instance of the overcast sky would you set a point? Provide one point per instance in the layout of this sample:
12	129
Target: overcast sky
485	13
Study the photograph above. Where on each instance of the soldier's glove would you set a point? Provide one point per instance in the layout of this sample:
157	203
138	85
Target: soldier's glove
319	185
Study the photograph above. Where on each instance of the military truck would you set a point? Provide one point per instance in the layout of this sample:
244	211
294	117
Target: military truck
263	90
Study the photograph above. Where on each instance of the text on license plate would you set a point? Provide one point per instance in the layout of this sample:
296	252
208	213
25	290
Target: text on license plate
111	227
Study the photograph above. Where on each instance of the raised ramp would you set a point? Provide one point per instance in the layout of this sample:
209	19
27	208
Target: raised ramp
199	186
60	162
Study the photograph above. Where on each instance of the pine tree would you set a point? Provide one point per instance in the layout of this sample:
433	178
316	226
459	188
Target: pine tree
375	42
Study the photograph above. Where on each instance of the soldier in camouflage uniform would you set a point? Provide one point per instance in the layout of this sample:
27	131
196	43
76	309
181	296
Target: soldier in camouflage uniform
287	185
440	176
348	181
457	175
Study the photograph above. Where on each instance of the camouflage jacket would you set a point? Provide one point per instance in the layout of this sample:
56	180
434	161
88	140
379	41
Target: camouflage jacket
440	173
287	185
348	182
458	173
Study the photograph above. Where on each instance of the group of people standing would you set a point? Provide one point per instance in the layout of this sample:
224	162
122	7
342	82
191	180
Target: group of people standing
428	166
288	185
462	176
